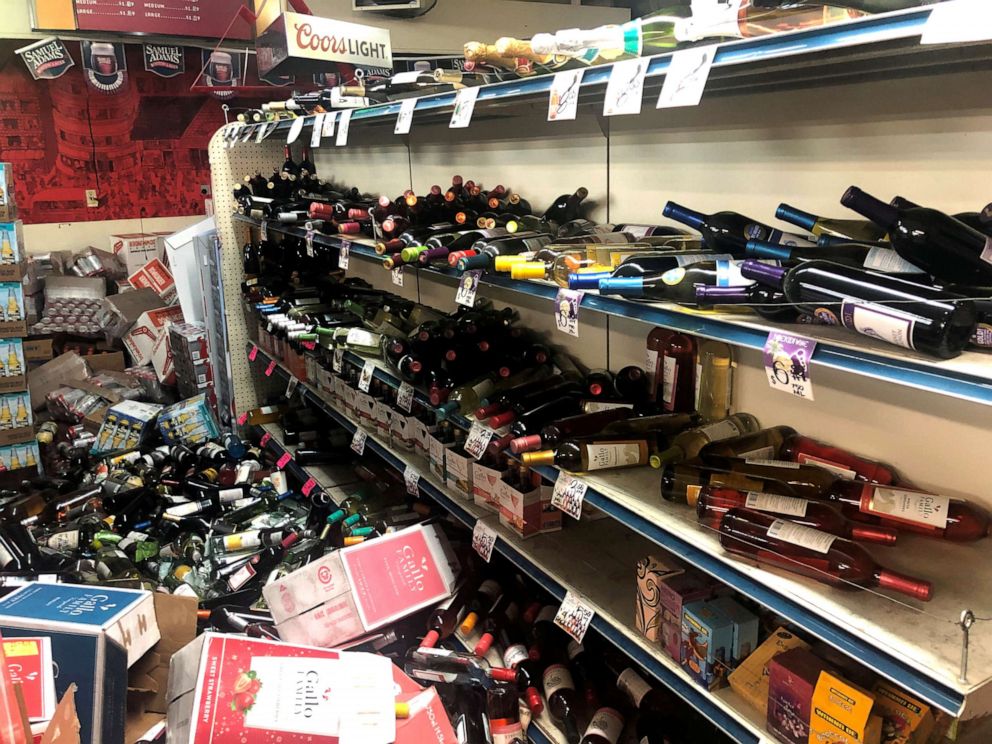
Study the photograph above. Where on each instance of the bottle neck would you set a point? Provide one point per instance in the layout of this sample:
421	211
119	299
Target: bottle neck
903	584
685	215
796	217
706	295
771	276
868	206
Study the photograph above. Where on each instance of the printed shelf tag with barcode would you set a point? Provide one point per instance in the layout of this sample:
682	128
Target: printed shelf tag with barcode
484	540
787	363
686	76
468	286
344	124
397	275
318	130
365	379
412	479
337	361
563	101
404	120
263	231
308	238
567	311
330	120
478	440
291	387
404	397
465	100
569	494
344	254
358	442
295	130
625	90
574	616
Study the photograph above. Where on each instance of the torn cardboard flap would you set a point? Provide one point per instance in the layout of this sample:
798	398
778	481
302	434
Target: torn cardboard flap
63	370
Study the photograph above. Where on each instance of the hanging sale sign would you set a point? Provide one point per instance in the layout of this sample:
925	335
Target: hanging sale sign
165	60
105	66
46	59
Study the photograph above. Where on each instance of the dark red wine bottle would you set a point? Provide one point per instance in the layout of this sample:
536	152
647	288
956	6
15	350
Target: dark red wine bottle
730	231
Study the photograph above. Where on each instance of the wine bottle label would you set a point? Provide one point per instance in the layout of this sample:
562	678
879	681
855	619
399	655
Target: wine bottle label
761	453
765	462
673	277
242	541
836	468
241	577
546	615
651	365
185	510
230	495
607	724
684	259
360	337
68	540
506	733
669	374
595	406
557	677
888	261
771	502
514	654
801	536
878	321
914	507
633	686
405	77
728	274
614	455
720	430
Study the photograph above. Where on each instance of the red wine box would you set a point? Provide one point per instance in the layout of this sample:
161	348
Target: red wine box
226	689
29	662
674	593
750	678
530	513
352	591
652	572
792	678
484	483
707	640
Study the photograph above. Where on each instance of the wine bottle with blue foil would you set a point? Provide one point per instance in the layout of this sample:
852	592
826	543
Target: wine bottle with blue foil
893	310
852	229
644	264
729	231
678	284
944	247
860	255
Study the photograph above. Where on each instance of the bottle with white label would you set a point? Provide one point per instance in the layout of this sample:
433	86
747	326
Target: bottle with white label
595	453
842	463
832	560
678	374
688	444
763	444
559	689
605	727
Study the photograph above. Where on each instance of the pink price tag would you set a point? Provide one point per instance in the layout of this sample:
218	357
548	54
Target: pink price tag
266	438
271	368
309	345
253	353
284	460
308	486
243	419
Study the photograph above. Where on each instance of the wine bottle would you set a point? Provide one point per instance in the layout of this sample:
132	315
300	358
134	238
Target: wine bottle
939	244
650	34
453	667
595	453
714	380
764	444
812	553
605	727
583	424
644	262
487	250
678	284
678	374
566	207
855	230
443	619
868	6
687	444
479	605
711	503
741	20
839	462
503	707
559	689
729	231
892	310
528	669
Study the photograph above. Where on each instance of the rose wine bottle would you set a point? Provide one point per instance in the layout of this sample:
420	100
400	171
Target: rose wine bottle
712	503
841	463
503	707
678	374
868	6
813	553
584	424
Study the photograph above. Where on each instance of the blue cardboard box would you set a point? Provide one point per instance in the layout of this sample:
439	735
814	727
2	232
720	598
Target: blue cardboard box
745	628
707	639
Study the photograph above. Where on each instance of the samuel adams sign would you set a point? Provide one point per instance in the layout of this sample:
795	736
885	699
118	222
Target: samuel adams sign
301	44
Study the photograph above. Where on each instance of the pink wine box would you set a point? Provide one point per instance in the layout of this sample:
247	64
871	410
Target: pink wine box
351	591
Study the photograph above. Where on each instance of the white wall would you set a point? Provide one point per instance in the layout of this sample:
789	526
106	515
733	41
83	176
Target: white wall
73	236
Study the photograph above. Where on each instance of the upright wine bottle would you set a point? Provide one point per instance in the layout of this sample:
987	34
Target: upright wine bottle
714	380
559	689
678	374
730	231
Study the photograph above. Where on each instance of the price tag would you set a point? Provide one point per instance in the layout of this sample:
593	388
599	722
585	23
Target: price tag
405	118
397	276
358	442
243	419
253	353
787	359
318	130
344	254
574	616
465	100
412	479
567	311
249	131
468	285
266	438
271	368
365	379
959	21
483	540
563	101
337	361
478	439
308	486
284	460
308	239
569	494
626	87
234	136
685	79
263	230
291	387
295	130
261	133
330	119
404	397
344	124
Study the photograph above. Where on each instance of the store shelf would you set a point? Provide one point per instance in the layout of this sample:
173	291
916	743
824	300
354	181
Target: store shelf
594	559
879	45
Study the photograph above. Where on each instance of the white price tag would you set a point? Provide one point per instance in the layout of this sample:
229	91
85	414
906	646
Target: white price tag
468	285
405	117
250	129
397	274
308	238
626	87
412	479
787	363
291	387
358	441
234	136
483	540
685	79
344	124
337	361
404	397
263	230
478	439
260	132
330	119
563	101
569	494
465	100
344	254
295	130
365	379
567	311
958	21
574	616
318	129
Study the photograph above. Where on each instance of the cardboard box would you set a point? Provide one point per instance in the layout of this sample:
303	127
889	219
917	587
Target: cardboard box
484	483
458	467
126	425
29	662
674	593
96	634
750	678
906	720
8	202
13	366
842	713
62	370
792	678
707	639
121	311
37	349
652	572
154	275
13	258
162	361
24	455
355	590
189	421
16	418
13	311
140	340
136	249
745	628
530	513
